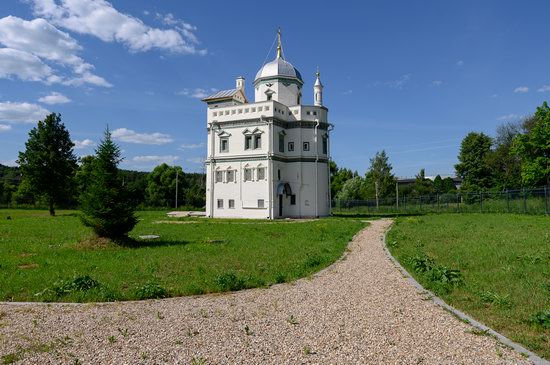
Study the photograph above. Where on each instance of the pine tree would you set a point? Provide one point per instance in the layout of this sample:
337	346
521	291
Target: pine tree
106	204
48	163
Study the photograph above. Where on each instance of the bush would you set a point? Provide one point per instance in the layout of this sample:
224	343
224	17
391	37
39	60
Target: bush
151	290
230	282
541	318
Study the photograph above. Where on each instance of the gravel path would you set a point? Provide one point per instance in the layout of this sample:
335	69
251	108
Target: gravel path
358	311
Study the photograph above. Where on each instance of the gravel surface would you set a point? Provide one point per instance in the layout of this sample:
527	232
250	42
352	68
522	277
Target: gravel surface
360	310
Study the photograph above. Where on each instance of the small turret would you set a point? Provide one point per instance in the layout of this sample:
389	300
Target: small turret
318	90
240	83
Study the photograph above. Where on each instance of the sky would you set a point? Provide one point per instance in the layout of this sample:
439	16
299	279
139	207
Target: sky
410	77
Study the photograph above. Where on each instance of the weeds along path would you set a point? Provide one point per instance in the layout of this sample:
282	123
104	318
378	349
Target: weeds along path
360	310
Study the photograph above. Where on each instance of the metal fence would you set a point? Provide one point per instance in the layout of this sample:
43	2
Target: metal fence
523	201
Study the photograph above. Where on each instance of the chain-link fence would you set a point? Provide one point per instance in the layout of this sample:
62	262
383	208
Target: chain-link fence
524	201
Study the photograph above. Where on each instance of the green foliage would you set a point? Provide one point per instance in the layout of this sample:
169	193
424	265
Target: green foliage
48	162
541	318
151	290
338	177
533	148
78	283
229	281
438	184
490	297
473	165
161	186
379	180
353	189
441	278
422	185
106	204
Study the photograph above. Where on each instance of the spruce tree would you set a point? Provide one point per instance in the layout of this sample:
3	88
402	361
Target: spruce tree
48	163
106	204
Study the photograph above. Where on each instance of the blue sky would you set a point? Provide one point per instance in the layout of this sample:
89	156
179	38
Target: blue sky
410	77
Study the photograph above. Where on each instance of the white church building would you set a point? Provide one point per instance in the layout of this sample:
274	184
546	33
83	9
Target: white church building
268	158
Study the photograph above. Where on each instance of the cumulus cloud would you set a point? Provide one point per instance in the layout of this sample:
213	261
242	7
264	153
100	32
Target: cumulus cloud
437	83
544	89
521	89
168	159
30	44
83	144
100	19
54	98
14	112
5	128
130	136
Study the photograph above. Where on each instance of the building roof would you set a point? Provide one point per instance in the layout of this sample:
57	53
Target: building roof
222	94
278	68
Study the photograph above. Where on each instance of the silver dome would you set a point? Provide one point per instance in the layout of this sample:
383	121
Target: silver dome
278	68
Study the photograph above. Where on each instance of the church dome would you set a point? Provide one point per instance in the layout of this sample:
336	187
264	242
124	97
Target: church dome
278	68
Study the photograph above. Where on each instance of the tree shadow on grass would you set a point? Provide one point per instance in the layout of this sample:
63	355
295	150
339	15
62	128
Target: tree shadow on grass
98	243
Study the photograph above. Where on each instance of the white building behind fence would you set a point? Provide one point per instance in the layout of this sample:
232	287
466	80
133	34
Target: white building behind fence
268	158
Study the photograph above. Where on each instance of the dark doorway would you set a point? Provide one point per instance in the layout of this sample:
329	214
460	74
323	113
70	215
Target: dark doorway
280	205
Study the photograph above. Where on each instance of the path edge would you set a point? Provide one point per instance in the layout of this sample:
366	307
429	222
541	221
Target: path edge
534	358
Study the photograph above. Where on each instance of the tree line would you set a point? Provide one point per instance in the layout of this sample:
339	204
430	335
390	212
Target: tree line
517	157
49	174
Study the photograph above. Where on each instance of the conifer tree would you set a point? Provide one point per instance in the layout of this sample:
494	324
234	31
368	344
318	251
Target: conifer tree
106	204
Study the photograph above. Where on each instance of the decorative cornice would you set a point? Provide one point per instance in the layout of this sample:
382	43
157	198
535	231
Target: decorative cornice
264	158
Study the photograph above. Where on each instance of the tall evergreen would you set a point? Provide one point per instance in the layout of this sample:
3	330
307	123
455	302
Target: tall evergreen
106	204
48	163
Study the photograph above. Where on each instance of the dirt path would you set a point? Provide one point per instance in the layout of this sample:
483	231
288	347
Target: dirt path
359	311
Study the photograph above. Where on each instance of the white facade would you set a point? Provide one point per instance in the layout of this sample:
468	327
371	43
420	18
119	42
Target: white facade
268	158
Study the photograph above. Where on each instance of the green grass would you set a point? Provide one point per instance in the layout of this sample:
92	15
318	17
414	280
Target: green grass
503	261
46	258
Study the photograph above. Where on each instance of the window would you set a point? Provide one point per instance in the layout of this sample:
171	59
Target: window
260	203
314	113
257	141
231	204
260	109
281	142
308	112
291	146
230	175
253	110
293	199
215	114
219	176
306	146
269	96
261	173
220	203
247	174
247	142
224	144
279	174
325	145
267	108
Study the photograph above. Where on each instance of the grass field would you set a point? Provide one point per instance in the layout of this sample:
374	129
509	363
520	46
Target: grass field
46	258
495	267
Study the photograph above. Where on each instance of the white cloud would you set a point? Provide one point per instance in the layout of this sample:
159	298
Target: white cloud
437	83
5	128
196	160
460	63
99	18
399	83
543	89
83	144
168	159
521	89
14	112
54	98
508	117
348	92
130	136
30	43
191	146
197	93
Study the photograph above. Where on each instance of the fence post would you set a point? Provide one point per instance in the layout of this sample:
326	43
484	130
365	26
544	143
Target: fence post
524	201
481	202
546	199
508	200
457	202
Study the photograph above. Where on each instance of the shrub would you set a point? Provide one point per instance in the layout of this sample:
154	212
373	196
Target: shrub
151	290
78	283
230	282
541	318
